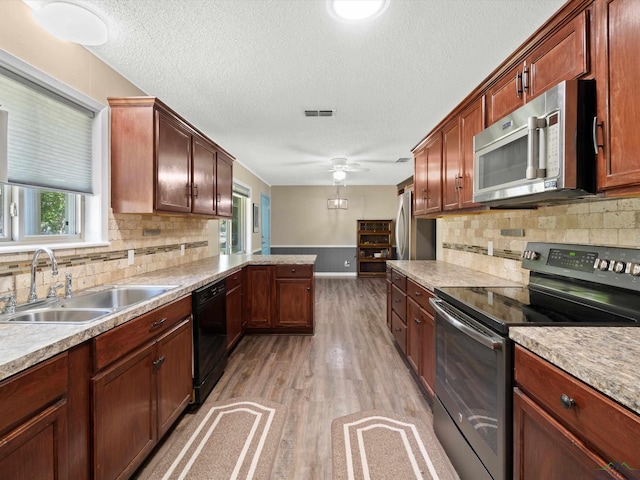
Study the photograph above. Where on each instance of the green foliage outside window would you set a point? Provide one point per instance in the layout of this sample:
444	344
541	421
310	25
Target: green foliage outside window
52	213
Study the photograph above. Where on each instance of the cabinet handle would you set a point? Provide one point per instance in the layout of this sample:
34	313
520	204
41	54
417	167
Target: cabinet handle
596	145
397	301
417	320
195	190
418	294
566	401
158	361
189	190
218	198
518	81
398	329
158	323
525	79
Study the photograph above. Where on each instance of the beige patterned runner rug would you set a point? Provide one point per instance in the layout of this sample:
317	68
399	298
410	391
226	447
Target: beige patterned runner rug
378	445
230	439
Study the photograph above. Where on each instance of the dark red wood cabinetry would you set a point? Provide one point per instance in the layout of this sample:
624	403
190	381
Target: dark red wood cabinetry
235	317
618	71
162	164
428	176
142	384
570	438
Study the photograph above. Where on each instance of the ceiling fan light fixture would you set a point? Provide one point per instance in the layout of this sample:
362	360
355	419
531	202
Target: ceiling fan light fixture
356	10
71	22
339	175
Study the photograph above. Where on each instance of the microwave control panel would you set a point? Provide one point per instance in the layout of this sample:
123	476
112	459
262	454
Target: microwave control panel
553	145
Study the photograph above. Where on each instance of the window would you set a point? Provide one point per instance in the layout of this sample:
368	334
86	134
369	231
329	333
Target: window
233	233
52	162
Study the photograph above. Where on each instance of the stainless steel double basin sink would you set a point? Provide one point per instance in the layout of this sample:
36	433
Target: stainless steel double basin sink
86	306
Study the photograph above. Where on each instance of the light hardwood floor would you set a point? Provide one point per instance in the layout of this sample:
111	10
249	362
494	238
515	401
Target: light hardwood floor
349	365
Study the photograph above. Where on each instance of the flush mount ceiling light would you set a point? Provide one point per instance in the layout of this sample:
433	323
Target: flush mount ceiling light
356	10
71	22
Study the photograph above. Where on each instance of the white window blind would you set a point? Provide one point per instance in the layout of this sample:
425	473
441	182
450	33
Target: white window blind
49	138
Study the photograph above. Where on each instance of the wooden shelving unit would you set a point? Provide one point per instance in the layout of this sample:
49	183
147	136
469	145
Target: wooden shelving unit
374	247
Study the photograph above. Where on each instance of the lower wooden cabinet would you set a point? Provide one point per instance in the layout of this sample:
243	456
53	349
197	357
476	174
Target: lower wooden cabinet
280	299
235	318
421	339
563	428
140	387
33	425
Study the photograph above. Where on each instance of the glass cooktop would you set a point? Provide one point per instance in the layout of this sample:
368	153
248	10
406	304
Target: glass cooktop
555	303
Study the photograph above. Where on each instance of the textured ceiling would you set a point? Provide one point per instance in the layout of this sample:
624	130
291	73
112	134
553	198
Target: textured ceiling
243	72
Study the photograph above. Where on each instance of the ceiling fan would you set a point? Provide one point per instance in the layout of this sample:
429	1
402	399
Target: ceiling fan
340	167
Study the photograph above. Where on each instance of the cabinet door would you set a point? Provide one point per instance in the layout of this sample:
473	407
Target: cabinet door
173	361
505	96
204	177
389	300
224	185
451	165
259	281
420	182
173	166
37	449
564	56
470	125
294	302
434	174
544	449
414	331
124	420
234	316
618	71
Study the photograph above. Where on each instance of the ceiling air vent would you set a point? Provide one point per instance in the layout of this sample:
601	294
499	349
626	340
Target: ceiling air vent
403	160
318	113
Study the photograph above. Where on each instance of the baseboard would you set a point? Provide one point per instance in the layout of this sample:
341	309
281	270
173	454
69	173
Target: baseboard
335	274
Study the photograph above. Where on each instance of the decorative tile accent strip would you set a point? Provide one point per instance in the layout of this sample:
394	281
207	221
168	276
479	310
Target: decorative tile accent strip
509	254
76	260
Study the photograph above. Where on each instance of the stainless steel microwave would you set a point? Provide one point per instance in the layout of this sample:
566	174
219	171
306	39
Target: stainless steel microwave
542	152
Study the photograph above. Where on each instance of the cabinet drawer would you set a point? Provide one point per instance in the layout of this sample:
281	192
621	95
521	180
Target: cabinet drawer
399	280
117	342
294	271
399	303
399	330
28	392
421	295
233	280
610	429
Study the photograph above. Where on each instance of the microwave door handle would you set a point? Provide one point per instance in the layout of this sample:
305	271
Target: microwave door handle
532	147
494	343
542	148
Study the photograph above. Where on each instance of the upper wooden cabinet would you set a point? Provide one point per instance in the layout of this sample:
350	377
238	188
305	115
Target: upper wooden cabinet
562	56
428	176
162	164
618	69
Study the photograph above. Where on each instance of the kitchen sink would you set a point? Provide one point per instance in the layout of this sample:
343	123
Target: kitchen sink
116	296
57	315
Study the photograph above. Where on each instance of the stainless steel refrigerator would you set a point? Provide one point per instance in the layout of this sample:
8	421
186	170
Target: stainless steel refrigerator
415	238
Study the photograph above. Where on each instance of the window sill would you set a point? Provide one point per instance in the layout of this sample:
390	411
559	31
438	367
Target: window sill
53	246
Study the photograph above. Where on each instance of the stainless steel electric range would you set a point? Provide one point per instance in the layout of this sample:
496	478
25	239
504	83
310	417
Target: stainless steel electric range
576	285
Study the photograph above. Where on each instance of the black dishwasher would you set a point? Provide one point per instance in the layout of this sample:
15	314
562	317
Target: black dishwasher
209	338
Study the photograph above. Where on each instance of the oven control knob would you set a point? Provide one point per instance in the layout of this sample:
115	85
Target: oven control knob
619	267
534	255
635	269
603	264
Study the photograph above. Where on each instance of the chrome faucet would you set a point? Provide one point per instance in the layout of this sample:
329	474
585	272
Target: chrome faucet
33	296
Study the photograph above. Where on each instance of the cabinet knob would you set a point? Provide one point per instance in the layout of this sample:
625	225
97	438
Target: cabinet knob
158	361
293	270
566	401
308	289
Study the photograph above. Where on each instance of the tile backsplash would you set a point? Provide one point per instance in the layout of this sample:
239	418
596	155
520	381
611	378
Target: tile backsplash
465	238
100	265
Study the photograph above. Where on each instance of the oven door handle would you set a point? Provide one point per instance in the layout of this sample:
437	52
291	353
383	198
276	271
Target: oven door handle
494	343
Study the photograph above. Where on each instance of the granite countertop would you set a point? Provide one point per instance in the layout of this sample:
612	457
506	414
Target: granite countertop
24	345
435	273
604	357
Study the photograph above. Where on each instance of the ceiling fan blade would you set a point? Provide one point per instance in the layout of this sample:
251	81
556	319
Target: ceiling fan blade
356	169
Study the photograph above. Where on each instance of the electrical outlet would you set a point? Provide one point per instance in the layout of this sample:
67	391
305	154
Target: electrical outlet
182	250
347	263
130	254
490	248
